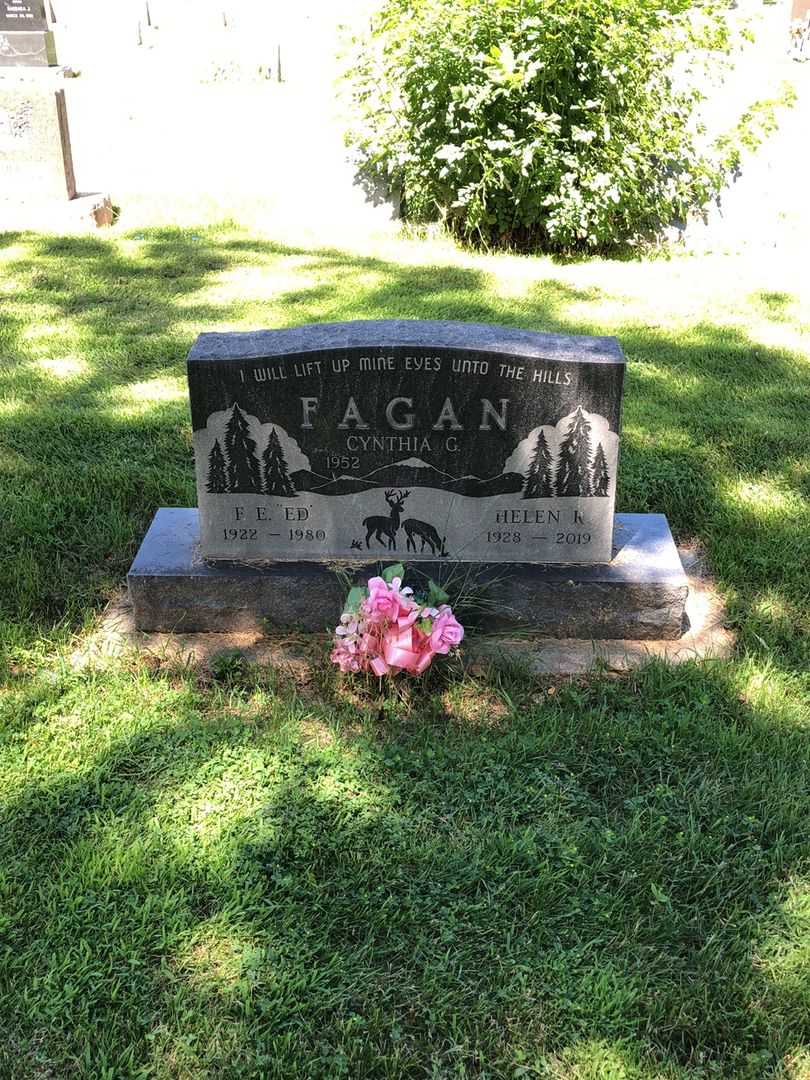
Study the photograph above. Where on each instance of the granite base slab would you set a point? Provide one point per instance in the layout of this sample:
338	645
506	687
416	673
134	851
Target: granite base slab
640	595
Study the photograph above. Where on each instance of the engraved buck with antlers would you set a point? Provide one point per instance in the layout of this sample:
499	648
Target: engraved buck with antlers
378	525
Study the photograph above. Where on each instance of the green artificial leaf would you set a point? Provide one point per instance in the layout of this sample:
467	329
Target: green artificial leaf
426	626
390	572
436	595
356	596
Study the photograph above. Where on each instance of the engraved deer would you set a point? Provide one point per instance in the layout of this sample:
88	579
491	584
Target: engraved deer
427	534
379	525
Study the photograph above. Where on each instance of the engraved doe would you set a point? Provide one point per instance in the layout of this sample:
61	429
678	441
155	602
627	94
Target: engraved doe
427	534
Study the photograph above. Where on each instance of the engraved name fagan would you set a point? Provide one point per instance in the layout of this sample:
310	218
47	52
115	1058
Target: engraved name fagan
356	452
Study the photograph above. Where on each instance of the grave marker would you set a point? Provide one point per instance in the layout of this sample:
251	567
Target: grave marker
35	154
436	443
422	439
25	40
23	15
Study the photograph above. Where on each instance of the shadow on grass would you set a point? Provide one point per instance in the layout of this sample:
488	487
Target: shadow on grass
249	889
94	419
606	881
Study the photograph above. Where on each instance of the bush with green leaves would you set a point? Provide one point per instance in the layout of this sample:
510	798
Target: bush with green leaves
559	125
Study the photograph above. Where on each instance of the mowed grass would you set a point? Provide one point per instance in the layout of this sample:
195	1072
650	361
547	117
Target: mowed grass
249	876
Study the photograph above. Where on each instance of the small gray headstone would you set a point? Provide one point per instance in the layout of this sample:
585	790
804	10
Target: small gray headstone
420	440
22	15
35	156
25	40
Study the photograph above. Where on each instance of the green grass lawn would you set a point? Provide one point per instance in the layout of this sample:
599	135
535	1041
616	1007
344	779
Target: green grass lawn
249	876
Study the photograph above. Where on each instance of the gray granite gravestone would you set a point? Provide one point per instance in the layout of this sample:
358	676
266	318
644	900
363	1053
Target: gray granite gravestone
430	439
439	443
16	15
25	39
35	156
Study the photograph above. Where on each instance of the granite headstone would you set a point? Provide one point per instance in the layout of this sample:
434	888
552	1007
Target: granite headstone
35	155
437	443
25	39
416	439
22	15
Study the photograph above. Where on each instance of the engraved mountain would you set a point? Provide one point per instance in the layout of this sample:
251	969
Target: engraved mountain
576	457
410	473
338	485
507	483
417	473
304	480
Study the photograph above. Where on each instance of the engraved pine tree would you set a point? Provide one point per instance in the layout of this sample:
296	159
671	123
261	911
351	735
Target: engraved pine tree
574	463
240	450
217	475
276	478
540	478
599	472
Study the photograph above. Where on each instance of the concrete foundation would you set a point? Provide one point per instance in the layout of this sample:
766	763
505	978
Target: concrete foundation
640	595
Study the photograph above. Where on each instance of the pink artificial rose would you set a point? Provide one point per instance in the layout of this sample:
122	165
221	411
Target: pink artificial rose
381	603
387	602
447	631
386	635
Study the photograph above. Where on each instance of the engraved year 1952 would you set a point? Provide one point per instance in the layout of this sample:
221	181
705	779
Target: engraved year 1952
341	461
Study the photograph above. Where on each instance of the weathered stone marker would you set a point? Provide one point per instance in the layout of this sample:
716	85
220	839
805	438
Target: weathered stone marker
436	443
22	15
423	439
25	40
35	155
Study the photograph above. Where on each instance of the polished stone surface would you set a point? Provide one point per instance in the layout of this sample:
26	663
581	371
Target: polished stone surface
16	15
417	333
639	595
472	442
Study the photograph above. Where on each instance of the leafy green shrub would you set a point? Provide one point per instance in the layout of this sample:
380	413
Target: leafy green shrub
557	124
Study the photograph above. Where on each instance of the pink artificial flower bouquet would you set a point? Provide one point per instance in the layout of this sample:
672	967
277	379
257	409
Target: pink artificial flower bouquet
385	629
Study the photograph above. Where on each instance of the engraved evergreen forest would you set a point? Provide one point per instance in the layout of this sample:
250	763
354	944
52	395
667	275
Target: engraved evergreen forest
579	468
462	411
334	422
